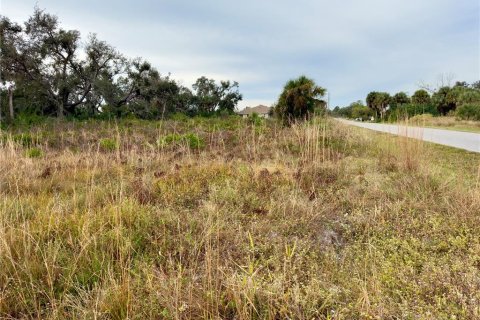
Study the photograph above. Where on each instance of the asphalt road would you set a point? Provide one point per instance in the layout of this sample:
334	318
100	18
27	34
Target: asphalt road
463	140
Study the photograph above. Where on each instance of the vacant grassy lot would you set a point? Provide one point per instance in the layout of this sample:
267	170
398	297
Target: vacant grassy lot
225	219
449	123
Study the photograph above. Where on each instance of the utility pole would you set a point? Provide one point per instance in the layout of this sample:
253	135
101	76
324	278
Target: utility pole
328	99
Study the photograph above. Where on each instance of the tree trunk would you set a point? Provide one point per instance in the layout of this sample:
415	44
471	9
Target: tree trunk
163	109
10	103
63	102
60	111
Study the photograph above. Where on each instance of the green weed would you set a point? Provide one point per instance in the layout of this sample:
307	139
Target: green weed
108	144
33	153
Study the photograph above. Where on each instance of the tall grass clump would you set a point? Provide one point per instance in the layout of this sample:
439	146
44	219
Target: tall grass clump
108	144
33	153
190	140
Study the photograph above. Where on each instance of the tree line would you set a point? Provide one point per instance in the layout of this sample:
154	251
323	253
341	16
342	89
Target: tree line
462	100
48	71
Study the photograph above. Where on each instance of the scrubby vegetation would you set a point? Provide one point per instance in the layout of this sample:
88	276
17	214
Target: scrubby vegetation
447	122
300	100
469	111
48	71
461	100
132	219
197	214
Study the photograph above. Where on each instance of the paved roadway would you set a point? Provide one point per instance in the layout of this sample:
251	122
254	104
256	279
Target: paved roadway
463	140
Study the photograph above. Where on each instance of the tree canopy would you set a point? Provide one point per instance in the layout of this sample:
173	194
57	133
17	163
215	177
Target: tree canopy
57	74
299	99
399	99
209	96
378	102
421	97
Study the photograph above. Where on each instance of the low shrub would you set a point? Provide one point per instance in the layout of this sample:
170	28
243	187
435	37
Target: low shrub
23	139
189	185
169	139
192	140
411	110
108	144
255	119
25	120
468	111
421	119
182	117
362	112
33	153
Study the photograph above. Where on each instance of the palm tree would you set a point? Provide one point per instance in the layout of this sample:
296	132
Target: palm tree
299	99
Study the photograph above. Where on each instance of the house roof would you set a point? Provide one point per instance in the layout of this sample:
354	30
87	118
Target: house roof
260	109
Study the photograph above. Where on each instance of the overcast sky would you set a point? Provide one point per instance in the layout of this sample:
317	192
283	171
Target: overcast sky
350	47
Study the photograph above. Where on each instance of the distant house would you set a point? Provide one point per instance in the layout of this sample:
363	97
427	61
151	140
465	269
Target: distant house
261	110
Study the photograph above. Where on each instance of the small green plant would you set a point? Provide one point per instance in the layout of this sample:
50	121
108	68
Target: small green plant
192	140
182	117
169	139
23	139
108	144
33	153
255	119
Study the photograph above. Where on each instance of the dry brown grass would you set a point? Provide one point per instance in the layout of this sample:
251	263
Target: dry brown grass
316	221
450	123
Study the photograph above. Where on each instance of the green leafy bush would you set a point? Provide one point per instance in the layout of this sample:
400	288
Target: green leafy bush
469	96
26	120
108	144
468	111
410	110
23	139
362	112
178	116
192	140
33	153
169	139
255	119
